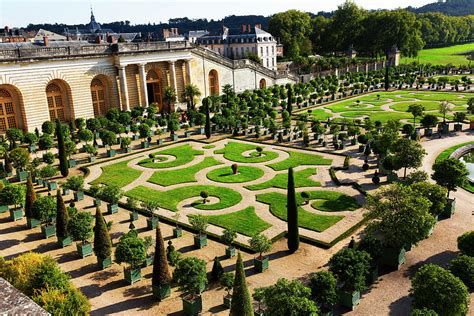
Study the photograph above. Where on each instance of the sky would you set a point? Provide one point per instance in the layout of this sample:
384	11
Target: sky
22	12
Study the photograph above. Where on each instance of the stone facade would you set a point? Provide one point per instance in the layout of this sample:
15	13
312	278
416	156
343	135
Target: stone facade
70	80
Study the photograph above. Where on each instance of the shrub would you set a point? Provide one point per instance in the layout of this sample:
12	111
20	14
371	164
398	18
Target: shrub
204	195
44	209
161	275
435	193
45	142
423	312
12	195
351	268
450	173
80	226
130	249
228	236
111	193
463	268
190	275
439	290
261	244
227	282
323	289
75	183
466	243
199	223
19	158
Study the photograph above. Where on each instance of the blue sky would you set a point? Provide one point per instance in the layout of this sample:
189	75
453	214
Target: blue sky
22	12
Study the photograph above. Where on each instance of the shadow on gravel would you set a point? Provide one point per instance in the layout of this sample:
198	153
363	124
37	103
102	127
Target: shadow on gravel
440	259
140	303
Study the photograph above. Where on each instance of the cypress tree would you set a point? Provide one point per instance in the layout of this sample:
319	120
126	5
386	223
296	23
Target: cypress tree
217	269
207	127
161	274
30	197
8	164
241	303
289	106
292	214
102	243
63	164
62	216
386	77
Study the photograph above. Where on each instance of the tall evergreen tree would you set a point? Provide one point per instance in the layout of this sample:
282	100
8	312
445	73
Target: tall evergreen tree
207	127
292	214
241	303
8	163
102	242
63	163
289	106
161	275
386	79
62	217
30	197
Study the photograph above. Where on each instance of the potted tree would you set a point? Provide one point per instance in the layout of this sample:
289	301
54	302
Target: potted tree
20	158
173	126
228	237
30	197
204	195
199	224
161	278
31	139
44	210
459	118
190	276
373	247
125	144
145	132
81	230
85	135
76	184
323	290
429	121
111	194
351	268
131	250
46	173
177	231
187	132
132	205
13	195
108	139
261	244
148	241
94	191
62	222
151	207
92	151
158	133
102	242
227	282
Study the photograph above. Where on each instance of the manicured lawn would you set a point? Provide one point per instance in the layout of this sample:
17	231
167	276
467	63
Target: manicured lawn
403	106
245	222
298	159
184	154
320	115
170	199
378	116
281	180
316	222
244	174
329	201
118	173
233	152
442	56
436	96
352	105
445	154
171	177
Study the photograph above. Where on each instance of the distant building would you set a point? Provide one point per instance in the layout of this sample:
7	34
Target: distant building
95	33
52	37
15	35
238	43
172	35
194	35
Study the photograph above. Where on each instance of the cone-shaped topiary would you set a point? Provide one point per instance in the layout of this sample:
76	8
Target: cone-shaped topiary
63	163
161	274
30	197
207	127
8	164
102	243
217	269
241	302
62	217
292	215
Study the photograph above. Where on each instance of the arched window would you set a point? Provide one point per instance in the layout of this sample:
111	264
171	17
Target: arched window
213	82
8	118
263	83
99	97
154	86
57	102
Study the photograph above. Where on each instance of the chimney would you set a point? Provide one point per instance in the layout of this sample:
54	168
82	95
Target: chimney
68	37
258	26
46	40
166	33
98	39
7	30
244	28
248	28
148	38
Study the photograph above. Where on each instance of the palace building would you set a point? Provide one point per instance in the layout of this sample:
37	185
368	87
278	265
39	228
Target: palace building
72	79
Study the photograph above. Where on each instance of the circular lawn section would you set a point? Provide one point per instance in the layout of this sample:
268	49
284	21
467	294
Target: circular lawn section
226	174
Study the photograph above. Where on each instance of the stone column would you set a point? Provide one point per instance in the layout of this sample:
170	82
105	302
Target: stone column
187	62
173	76
143	89
123	88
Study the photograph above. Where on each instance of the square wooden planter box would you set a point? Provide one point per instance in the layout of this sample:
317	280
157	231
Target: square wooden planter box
133	216
3	208
450	208
349	300
64	242
22	175
127	150
159	142
457	127
32	148
91	158
187	134
393	257
228	301
84	250
201	130
230	252
177	232
78	196
16	214
66	191
261	264
97	202
111	153
112	208
152	222
174	137
104	262
149	261
145	144
48	231
161	292
134	137
132	275
200	241
192	307
32	222
52	185
72	163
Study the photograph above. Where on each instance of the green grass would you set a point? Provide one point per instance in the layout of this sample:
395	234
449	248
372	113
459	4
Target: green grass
445	154
436	96
245	222
378	116
170	199
329	201
403	106
118	173
316	222
171	177
298	159
443	56
233	152
184	154
244	174
351	105
320	115
281	180
208	146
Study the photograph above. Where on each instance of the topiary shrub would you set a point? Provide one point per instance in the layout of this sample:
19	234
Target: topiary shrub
466	243
463	268
235	168
376	178
351	268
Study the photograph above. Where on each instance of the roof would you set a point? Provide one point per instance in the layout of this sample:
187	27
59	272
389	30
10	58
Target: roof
51	36
236	34
8	46
14	302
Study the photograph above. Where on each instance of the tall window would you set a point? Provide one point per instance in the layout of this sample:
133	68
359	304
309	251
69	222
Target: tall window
213	82
99	97
154	88
56	102
263	83
7	111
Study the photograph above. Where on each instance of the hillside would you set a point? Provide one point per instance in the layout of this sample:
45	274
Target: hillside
449	7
